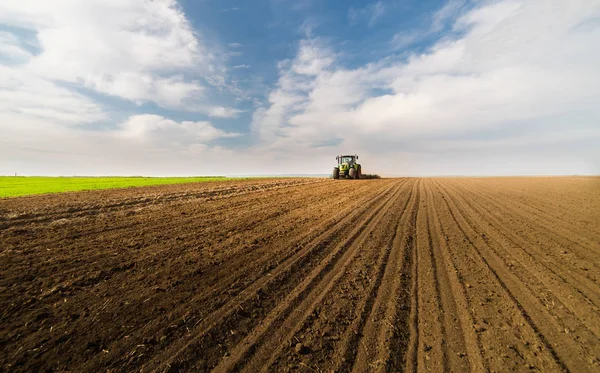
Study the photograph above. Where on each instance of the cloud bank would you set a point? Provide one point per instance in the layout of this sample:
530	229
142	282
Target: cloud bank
512	79
507	87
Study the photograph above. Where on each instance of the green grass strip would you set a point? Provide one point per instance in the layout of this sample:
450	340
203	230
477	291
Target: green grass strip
11	186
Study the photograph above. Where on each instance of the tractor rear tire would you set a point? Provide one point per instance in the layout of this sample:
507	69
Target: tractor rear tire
352	173
336	173
359	173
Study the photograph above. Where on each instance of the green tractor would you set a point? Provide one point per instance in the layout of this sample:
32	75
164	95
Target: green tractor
347	167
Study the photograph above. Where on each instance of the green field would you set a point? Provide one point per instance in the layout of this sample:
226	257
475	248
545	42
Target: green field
15	186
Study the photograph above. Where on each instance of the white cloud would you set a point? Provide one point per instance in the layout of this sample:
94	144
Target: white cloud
143	145
223	112
514	82
312	58
140	145
29	96
167	132
297	79
174	91
517	67
135	50
58	52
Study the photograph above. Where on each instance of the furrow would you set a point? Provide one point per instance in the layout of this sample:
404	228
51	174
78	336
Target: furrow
554	254
443	347
341	314
457	306
551	226
557	287
542	205
254	296
544	327
259	266
370	347
255	351
431	350
70	212
412	354
286	275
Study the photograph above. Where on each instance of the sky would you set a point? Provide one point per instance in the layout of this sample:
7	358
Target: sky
232	87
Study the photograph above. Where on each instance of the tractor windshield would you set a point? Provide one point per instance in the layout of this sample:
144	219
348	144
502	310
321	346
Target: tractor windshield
346	159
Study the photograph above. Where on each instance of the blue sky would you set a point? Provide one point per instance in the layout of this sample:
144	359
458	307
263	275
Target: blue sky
165	87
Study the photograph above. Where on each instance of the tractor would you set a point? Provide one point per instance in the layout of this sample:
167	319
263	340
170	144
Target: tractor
347	167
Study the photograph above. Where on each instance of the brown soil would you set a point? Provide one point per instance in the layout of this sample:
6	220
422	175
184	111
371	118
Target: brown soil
314	275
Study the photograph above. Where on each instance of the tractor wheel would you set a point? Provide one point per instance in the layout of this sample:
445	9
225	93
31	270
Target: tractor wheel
359	174
352	173
336	173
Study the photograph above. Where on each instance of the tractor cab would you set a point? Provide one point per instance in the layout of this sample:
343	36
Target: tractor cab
347	167
348	159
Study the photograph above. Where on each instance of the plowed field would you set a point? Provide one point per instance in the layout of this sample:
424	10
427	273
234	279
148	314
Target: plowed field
314	275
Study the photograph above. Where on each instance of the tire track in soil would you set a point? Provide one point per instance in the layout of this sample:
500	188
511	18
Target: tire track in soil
248	217
431	353
122	210
75	238
86	211
259	298
263	349
543	327
569	255
301	295
394	275
551	226
259	268
387	318
116	280
454	296
510	345
545	206
545	279
252	268
412	348
444	341
76	266
339	325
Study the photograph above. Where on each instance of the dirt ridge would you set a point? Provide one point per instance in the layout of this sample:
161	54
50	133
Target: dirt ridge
409	274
